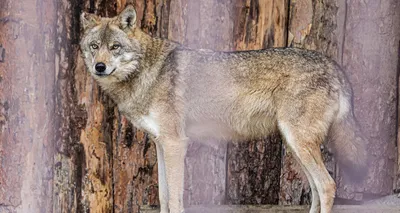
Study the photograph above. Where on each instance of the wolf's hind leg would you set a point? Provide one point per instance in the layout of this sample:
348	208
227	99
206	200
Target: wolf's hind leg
315	202
304	144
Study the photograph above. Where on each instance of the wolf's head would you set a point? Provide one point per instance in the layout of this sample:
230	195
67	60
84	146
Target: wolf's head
110	48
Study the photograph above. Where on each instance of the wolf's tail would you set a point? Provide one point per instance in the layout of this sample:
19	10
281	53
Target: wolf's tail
348	143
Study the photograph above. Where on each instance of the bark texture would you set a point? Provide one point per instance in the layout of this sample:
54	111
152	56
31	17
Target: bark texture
353	34
253	171
370	59
312	25
203	24
84	146
397	180
103	164
27	109
254	167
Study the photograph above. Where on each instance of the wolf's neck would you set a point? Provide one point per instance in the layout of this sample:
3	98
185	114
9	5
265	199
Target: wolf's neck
155	50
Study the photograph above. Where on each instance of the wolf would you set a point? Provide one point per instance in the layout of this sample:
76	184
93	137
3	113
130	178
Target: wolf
177	94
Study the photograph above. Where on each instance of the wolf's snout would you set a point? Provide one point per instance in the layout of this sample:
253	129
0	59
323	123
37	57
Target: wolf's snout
100	67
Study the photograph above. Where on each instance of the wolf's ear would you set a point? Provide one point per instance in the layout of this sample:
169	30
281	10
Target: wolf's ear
89	20
127	18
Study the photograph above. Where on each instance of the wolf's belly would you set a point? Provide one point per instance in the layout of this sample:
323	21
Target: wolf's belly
253	128
209	130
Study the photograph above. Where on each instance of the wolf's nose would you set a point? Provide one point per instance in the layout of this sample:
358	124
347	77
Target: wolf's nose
100	67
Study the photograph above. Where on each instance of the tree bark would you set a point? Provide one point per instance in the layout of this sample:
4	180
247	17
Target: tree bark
370	58
27	109
397	180
134	157
203	24
83	163
312	25
345	31
254	167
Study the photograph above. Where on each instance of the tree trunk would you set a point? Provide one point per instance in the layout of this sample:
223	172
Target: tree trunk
203	24
397	180
83	163
254	167
28	122
371	36
344	30
312	25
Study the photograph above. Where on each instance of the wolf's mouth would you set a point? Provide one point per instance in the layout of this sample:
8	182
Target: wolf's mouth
104	74
112	71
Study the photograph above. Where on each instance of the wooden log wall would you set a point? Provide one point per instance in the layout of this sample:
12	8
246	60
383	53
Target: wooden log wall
65	147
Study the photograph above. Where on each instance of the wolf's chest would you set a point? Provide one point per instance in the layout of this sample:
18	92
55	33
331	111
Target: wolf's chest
147	122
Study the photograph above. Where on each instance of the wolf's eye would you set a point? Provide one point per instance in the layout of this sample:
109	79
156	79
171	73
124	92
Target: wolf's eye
94	46
115	46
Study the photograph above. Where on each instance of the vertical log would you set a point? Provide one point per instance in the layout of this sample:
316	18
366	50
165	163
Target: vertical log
69	160
135	170
83	163
312	25
27	109
203	24
260	24
85	145
134	154
330	27
254	167
253	171
397	180
370	58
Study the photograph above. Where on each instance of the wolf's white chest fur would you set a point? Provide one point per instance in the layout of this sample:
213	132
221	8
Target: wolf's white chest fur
149	123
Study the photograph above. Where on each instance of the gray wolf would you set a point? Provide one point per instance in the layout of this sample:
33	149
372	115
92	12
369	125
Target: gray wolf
178	94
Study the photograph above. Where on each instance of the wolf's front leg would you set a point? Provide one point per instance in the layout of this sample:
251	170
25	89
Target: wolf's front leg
162	179
174	151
